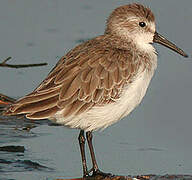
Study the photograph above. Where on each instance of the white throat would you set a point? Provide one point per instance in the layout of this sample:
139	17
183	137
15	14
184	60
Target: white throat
144	43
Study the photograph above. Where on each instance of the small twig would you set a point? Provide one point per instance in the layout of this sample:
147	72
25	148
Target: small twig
4	64
7	59
22	65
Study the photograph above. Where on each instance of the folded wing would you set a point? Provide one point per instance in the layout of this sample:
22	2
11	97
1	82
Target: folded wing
92	74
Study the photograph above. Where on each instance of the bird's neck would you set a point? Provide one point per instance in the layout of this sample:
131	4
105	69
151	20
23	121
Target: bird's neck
134	47
148	57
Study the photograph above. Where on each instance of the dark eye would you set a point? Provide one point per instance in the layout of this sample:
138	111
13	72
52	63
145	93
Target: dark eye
142	24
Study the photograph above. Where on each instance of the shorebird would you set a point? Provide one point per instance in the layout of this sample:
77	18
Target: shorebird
101	80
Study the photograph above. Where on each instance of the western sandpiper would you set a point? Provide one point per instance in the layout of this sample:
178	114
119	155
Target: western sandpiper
99	81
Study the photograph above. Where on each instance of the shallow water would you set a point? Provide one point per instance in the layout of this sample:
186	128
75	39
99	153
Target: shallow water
155	138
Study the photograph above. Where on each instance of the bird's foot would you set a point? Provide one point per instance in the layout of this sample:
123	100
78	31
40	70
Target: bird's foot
100	173
86	176
96	173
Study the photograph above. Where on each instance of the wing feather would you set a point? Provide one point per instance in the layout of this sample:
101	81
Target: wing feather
82	96
43	114
69	89
97	95
62	104
73	108
34	97
66	73
94	83
36	106
85	107
108	81
91	74
116	76
86	74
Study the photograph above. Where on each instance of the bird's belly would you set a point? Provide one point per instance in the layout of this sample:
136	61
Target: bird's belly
100	117
134	94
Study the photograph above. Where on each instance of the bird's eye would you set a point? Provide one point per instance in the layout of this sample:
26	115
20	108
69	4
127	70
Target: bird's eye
142	24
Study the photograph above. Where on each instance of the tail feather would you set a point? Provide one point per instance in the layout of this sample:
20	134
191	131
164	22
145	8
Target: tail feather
5	102
5	99
2	108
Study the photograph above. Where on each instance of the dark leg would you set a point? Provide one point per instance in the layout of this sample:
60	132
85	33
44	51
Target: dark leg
82	149
95	168
94	162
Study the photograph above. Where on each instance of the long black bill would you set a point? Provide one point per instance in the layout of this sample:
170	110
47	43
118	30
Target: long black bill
162	40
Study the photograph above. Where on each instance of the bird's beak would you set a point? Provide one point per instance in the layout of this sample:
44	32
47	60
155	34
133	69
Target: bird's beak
162	40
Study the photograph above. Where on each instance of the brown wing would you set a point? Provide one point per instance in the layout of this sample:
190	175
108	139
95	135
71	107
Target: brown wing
92	74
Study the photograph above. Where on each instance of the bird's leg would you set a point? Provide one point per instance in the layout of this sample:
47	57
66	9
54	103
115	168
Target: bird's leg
82	149
89	140
95	168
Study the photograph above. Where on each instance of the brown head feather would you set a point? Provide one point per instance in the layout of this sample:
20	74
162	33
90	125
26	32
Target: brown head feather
121	14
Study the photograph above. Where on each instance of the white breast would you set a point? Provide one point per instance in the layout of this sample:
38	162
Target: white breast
102	116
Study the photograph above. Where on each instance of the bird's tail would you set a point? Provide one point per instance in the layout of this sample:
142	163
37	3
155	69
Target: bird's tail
5	101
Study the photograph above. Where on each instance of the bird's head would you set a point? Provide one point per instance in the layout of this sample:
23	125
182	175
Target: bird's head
136	23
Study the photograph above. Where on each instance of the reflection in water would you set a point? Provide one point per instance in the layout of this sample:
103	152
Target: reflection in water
21	166
12	157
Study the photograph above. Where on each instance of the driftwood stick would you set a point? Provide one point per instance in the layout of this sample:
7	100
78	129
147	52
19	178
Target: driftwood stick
7	59
4	64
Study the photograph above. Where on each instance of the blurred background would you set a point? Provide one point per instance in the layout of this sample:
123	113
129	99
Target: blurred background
154	139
